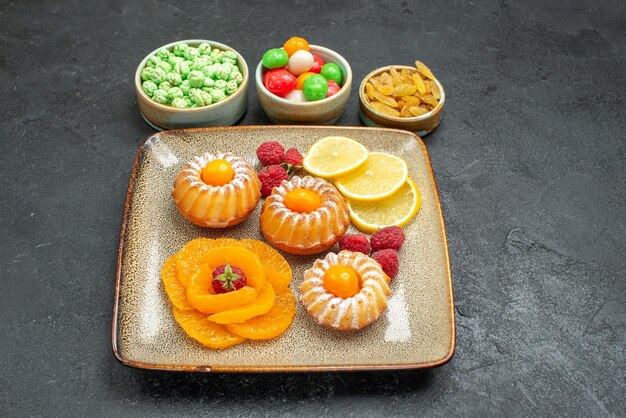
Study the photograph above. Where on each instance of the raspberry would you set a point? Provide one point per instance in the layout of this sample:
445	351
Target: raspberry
389	237
355	242
270	153
271	177
388	260
227	278
293	157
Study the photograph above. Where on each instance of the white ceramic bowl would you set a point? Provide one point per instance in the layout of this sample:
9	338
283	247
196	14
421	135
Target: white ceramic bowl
225	113
320	112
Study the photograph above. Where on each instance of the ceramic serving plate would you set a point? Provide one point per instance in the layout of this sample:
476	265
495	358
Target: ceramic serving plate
417	330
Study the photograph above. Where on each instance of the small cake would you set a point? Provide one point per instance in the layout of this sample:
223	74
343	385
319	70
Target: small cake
217	190
304	215
345	291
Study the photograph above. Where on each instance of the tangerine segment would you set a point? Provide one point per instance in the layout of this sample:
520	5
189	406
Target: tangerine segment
188	258
240	257
174	289
207	333
261	306
277	269
271	324
202	297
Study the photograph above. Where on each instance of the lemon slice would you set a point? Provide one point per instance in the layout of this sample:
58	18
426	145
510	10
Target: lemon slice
380	177
397	210
334	156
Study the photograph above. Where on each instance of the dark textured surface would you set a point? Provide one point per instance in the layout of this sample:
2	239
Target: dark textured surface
530	161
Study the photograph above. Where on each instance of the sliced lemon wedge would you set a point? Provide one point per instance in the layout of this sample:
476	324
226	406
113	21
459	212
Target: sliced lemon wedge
397	210
334	156
379	178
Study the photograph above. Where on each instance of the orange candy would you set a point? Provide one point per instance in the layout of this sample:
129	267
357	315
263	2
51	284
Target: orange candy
301	78
302	200
295	44
341	281
217	173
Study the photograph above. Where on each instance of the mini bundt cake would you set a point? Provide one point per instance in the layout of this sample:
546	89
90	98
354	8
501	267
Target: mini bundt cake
345	291
304	215
217	190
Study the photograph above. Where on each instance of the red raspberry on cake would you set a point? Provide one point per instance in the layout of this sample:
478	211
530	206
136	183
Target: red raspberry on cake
271	177
388	260
270	153
390	237
355	242
293	157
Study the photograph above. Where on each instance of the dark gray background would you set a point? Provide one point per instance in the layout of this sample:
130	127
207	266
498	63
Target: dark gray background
530	162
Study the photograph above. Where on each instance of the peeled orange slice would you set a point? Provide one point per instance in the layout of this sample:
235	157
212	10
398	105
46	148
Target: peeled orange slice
379	178
188	258
260	306
277	270
201	296
174	289
207	333
334	156
271	324
397	210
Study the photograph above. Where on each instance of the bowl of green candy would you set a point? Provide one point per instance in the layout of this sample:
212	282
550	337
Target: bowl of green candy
192	83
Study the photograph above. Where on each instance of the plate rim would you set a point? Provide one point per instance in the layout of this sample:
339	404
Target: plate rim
270	369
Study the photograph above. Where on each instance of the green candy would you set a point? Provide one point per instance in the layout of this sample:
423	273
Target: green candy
153	61
220	85
199	97
149	87
165	66
229	55
331	71
165	85
199	63
179	49
211	70
215	54
236	76
217	95
275	58
182	68
204	48
223	71
191	53
179	102
175	93
174	78
185	86
164	54
196	78
146	73
231	87
160	96
225	60
227	68
315	87
158	75
173	59
208	82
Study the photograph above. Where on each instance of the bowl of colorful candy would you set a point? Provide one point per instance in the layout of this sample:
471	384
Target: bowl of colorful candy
192	83
303	84
402	97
